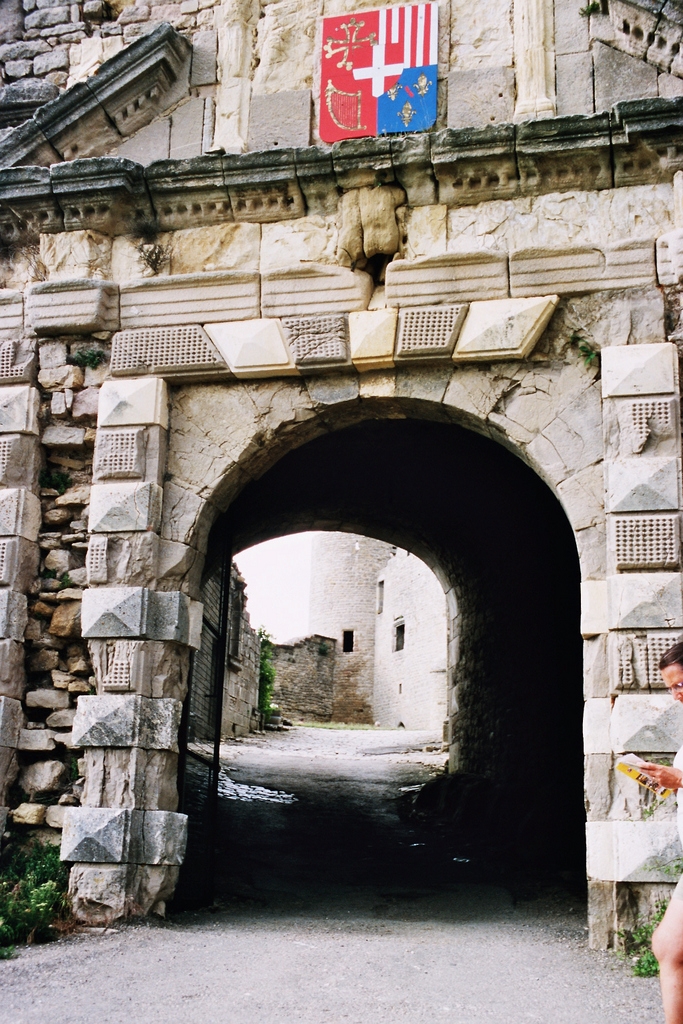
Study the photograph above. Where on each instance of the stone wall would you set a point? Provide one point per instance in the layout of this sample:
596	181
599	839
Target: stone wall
344	598
305	677
411	686
241	685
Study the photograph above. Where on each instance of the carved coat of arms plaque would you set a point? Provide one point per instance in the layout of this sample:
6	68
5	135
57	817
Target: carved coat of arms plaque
378	72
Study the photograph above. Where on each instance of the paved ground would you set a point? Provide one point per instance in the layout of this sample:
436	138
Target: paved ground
332	910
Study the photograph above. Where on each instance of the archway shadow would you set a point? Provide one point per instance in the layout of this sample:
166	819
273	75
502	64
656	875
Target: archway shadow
502	547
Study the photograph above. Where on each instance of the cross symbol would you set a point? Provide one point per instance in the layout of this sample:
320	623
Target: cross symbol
379	71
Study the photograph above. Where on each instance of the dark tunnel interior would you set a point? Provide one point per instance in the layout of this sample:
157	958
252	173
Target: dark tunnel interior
493	530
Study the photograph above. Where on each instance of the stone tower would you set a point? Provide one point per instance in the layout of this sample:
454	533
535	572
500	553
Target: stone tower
344	570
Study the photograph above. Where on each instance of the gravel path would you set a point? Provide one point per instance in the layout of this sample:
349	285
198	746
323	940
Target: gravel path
331	909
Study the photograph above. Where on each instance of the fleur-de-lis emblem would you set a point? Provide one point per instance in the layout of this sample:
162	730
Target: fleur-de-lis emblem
349	43
406	113
422	84
393	92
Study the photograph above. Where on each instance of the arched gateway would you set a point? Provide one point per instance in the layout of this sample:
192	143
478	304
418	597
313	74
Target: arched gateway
214	328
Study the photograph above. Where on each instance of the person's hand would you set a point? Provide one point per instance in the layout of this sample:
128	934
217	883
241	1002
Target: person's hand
671	778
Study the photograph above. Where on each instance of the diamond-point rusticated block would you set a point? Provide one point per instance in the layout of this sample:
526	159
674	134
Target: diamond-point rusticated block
127	720
129	403
253	348
639	370
169	351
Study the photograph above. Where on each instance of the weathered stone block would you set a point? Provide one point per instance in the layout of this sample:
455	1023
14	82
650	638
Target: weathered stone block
97	834
19	560
631	851
164	838
453	277
639	370
642	485
173	351
574	79
125	403
128	559
187	129
190	299
481	96
428	332
503	328
619	76
596	723
641	426
645	542
20	513
124	507
105	835
36	740
149	144
372	334
73	307
29	814
57	436
120	454
66	620
634	660
13	615
12	674
644	600
577	269
318	342
43	778
314	288
204	53
138	612
54	816
281	119
253	348
47	697
127	720
119	777
149	667
669	255
9	769
11	721
593	607
20	459
646	723
102	893
11	314
19	407
115	612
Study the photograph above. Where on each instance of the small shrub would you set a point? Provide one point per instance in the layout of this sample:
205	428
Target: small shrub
88	357
33	900
48	574
153	255
55	480
323	649
592	8
266	679
586	350
638	944
65	581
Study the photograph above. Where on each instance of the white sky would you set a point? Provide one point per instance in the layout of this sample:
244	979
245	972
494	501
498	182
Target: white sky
278	577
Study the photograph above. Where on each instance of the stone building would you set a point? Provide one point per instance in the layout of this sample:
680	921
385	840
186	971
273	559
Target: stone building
410	685
380	651
463	341
241	685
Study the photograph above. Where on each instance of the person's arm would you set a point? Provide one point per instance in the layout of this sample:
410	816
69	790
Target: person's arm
672	778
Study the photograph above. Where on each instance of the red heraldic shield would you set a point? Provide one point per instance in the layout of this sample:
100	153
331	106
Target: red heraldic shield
379	71
347	107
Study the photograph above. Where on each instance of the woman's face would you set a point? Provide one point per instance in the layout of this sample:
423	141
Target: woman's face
673	680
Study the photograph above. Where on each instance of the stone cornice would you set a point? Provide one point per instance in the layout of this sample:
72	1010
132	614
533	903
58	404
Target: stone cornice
638	142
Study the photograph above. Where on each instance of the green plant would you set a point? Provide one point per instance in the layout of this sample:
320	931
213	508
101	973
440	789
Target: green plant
55	480
586	350
65	581
48	574
638	943
266	679
323	649
33	900
592	8
90	357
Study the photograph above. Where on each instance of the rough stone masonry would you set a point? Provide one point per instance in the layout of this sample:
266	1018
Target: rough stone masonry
193	286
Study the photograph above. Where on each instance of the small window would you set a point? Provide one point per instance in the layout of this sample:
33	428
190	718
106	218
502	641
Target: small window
400	636
380	597
347	641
